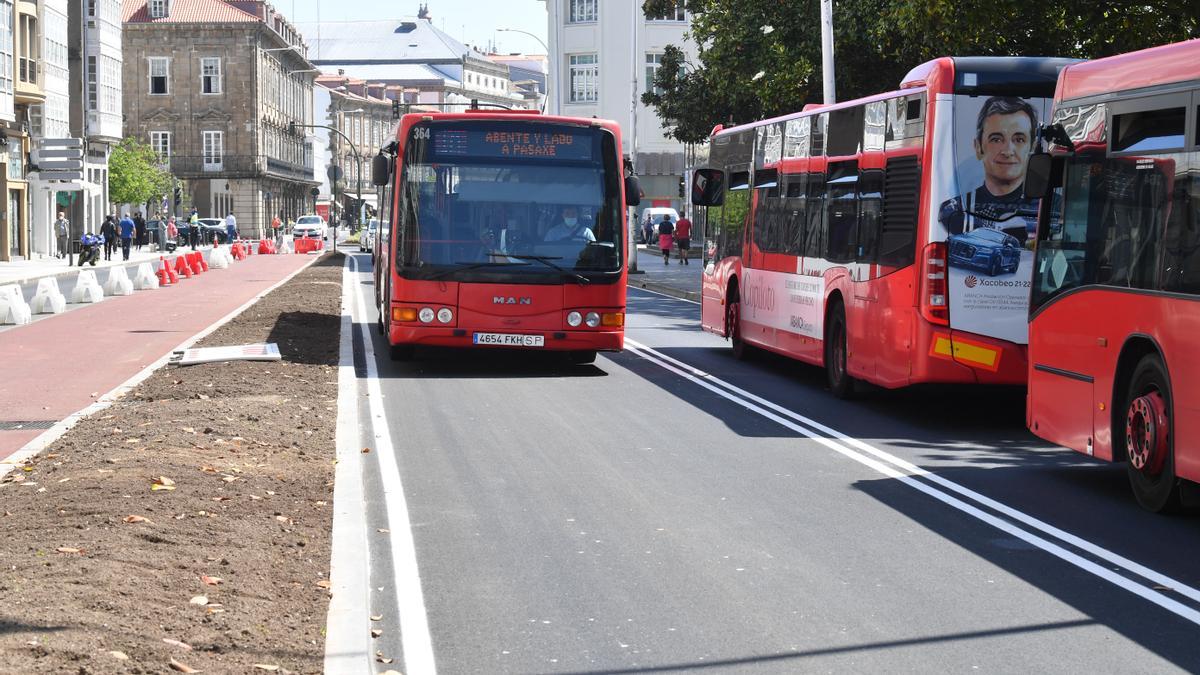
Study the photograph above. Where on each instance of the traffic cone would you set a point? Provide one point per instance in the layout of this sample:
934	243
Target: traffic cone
164	272
181	268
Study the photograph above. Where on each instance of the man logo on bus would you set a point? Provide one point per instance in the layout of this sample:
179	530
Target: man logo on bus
971	281
509	300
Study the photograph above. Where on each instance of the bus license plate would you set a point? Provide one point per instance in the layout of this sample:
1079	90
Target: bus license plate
510	340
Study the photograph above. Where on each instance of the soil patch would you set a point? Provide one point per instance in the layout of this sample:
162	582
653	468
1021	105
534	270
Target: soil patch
187	526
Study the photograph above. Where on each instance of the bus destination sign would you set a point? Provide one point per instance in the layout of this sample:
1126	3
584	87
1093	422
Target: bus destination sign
513	143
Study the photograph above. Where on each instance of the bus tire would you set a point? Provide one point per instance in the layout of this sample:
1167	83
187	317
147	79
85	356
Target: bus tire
1149	438
840	382
582	357
733	324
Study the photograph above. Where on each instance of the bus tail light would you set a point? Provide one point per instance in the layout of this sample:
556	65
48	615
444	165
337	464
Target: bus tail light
404	314
613	319
934	298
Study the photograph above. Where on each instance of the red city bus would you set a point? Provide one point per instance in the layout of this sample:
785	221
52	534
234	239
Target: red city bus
503	229
882	238
1115	306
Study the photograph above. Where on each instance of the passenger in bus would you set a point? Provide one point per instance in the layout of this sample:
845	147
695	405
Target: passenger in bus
1004	135
570	228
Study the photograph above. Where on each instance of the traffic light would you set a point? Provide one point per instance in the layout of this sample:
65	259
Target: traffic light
395	108
292	128
178	195
682	187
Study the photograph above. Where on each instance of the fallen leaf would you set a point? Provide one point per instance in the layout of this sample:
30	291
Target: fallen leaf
211	581
199	600
377	617
384	530
324	583
178	643
208	469
366	450
384	659
376	632
220	499
63	480
229	479
165	481
256	498
266	666
159	486
182	667
133	440
137	519
320	503
188	430
202	397
68	549
120	656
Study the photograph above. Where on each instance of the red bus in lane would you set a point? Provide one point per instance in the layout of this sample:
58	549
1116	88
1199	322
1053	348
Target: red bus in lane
882	238
503	229
1115	303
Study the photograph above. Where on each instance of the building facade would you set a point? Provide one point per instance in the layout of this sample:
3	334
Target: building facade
215	86
603	56
20	89
95	64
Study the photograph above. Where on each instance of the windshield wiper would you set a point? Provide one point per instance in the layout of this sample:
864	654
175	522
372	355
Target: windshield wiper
545	260
472	266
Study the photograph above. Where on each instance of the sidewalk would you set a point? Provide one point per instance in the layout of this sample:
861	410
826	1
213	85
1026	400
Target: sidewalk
25	271
674	279
57	366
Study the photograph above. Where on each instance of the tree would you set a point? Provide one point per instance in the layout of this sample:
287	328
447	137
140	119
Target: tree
135	175
761	58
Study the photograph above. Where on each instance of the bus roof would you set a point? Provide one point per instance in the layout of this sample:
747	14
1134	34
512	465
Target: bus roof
1156	66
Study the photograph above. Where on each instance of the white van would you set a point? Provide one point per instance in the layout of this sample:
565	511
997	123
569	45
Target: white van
656	214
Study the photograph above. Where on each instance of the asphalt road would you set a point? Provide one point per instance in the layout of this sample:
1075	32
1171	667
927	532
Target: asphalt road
672	509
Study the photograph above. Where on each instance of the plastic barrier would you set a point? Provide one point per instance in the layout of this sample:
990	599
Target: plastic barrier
13	308
145	279
181	269
201	261
193	264
266	247
48	299
163	273
118	282
219	259
87	288
309	245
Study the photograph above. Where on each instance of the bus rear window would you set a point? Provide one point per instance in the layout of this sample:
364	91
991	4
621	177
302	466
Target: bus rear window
1149	130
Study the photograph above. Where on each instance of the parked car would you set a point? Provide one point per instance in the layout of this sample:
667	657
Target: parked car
985	250
366	236
656	214
310	227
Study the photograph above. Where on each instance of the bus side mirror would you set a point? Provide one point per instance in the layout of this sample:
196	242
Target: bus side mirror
381	170
708	187
1042	175
633	191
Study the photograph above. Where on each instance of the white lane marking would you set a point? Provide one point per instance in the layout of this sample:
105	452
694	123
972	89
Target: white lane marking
414	623
665	295
347	642
765	408
1026	519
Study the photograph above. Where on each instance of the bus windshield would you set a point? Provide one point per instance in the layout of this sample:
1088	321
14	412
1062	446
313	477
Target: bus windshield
529	200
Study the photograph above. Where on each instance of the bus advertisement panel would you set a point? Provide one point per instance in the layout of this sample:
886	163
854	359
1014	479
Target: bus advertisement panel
983	216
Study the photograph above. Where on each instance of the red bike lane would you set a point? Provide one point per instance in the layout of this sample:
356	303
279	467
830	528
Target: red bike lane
52	368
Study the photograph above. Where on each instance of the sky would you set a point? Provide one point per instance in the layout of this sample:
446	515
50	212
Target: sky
472	22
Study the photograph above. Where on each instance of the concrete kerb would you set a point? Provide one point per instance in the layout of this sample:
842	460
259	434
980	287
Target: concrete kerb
43	441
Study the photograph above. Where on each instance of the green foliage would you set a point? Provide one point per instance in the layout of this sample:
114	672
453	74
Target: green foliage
134	174
876	43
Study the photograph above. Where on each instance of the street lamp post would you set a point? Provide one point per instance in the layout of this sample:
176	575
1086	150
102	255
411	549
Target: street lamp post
353	148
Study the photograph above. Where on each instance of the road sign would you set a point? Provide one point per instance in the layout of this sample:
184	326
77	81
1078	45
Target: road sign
334	172
58	155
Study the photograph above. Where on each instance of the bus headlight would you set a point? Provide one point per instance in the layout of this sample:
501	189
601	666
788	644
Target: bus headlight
574	319
593	319
426	315
445	315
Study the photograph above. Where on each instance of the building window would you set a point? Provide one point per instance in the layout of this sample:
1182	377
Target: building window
91	82
214	150
158	9
6	57
160	142
91	4
653	61
679	14
159	75
28	63
210	75
585	78
582	11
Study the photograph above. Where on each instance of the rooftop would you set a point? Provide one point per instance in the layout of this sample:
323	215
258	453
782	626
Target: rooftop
403	40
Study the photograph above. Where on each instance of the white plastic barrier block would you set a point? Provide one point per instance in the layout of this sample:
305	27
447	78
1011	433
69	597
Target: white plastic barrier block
48	299
87	288
218	259
118	282
13	308
146	279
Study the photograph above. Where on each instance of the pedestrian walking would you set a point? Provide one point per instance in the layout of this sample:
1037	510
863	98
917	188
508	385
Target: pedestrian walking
127	227
666	232
139	229
62	231
276	223
647	229
194	228
683	238
231	232
108	231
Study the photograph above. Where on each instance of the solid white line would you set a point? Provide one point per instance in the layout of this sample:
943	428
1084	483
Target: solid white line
414	623
32	448
1024	518
347	641
745	400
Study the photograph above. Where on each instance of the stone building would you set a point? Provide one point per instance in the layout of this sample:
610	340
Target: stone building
20	89
213	86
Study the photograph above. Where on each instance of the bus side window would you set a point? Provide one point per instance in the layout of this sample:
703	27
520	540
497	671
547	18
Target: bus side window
734	215
870	206
841	211
1181	262
813	231
794	215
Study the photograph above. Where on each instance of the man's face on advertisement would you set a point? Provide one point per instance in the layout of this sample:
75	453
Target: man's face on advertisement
1004	150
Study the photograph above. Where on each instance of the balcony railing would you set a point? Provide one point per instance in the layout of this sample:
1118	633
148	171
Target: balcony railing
288	169
237	166
28	68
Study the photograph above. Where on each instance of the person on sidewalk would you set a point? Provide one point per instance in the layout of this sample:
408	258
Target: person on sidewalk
231	232
139	229
62	230
276	223
128	227
172	234
108	230
666	232
683	238
194	228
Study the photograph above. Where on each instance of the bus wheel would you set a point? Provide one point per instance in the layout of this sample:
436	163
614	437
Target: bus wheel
582	357
840	381
1148	437
733	327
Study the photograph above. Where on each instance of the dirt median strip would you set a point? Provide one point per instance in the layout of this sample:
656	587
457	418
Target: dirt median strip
187	526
